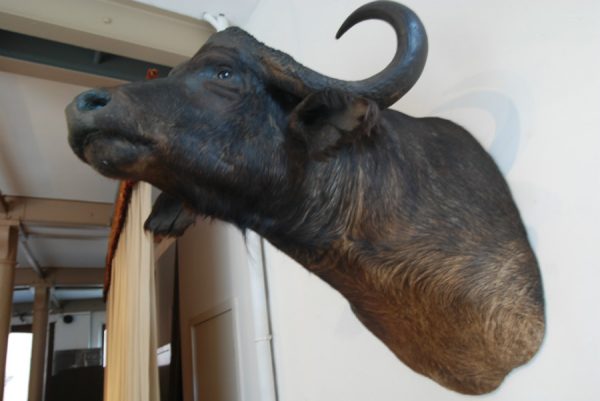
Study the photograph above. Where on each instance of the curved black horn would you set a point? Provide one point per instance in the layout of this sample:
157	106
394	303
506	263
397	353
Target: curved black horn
387	86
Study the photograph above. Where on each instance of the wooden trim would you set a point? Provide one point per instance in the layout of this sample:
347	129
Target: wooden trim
48	72
57	213
229	305
73	306
3	204
61	276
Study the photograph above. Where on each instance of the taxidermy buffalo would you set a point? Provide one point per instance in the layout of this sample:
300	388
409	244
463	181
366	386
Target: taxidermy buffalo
409	218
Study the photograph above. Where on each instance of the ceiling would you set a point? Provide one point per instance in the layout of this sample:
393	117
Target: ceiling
36	162
236	11
35	159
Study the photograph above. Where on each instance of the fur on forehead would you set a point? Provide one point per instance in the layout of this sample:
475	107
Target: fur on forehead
249	47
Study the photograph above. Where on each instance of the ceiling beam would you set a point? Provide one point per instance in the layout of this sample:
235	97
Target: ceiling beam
24	310
47	52
83	305
56	213
57	74
3	204
108	26
102	235
60	277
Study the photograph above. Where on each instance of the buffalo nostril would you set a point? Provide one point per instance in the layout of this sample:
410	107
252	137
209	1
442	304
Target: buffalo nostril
92	100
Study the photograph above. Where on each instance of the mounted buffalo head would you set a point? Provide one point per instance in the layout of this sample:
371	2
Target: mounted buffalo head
408	218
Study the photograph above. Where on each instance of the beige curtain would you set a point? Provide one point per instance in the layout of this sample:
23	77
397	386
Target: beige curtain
131	372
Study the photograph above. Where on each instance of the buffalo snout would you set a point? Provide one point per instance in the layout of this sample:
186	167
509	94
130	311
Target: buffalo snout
81	117
92	100
103	134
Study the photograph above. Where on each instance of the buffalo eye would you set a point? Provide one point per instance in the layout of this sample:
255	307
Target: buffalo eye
224	74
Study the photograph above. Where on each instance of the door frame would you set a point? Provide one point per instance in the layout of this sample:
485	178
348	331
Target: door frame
229	305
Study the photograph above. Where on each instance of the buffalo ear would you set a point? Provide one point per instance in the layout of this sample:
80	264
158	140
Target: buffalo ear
327	120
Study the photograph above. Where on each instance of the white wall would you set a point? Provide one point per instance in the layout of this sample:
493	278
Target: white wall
524	78
75	335
85	331
98	320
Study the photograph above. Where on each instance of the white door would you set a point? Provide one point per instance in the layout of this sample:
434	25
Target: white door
215	357
226	352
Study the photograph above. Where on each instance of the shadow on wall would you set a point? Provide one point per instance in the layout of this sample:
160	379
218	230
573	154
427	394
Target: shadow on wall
507	135
476	93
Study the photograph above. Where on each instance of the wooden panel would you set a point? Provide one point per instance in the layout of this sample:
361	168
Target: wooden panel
56	212
66	276
51	73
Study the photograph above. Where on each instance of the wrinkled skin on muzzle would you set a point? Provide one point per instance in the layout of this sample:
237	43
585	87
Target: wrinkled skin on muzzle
214	129
408	218
112	140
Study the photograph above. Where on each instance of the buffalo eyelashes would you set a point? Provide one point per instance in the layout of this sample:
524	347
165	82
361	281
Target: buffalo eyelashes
224	74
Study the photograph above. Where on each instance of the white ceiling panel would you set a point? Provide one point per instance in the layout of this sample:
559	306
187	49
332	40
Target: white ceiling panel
52	252
33	230
64	246
35	158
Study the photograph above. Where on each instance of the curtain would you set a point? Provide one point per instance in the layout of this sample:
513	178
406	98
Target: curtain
131	372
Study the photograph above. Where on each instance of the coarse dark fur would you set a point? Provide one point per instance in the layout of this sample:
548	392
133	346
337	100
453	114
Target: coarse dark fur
408	218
